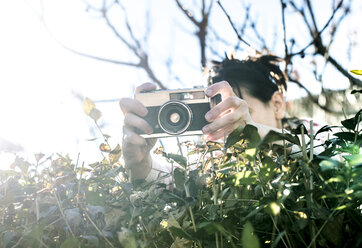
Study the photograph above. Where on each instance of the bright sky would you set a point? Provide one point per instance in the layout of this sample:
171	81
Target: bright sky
38	77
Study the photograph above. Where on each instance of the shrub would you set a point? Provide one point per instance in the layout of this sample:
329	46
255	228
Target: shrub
238	194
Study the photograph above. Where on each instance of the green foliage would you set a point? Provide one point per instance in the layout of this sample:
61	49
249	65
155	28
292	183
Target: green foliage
238	194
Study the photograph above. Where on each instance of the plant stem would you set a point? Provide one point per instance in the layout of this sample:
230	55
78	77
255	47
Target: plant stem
79	183
215	191
187	191
95	226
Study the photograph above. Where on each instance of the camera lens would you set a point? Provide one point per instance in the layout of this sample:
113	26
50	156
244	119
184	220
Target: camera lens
174	117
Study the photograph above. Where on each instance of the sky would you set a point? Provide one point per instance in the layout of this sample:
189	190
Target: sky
39	78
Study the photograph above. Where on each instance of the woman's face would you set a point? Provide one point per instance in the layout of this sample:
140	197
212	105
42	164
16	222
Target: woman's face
270	113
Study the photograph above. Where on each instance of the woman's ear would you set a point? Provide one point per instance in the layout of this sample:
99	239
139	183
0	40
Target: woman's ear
278	104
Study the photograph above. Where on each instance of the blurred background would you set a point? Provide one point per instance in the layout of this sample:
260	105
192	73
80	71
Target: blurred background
54	53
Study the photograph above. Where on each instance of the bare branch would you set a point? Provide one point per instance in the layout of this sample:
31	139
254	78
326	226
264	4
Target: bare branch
353	80
286	56
187	13
201	26
233	26
318	34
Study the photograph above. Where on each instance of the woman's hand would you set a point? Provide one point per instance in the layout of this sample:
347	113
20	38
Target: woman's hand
136	149
226	116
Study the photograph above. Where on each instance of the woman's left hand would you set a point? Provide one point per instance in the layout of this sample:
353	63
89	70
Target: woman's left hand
226	116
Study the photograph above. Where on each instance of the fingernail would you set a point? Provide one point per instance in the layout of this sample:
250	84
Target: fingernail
208	92
208	116
205	129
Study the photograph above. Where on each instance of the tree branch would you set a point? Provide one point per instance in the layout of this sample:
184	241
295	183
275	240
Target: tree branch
233	26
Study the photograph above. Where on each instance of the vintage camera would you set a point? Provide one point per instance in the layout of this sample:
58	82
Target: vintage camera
176	112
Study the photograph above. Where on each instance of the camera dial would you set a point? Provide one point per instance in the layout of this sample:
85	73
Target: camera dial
174	117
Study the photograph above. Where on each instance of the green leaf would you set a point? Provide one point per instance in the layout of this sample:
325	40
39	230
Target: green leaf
250	133
354	160
347	136
127	238
234	137
329	164
181	160
90	240
323	129
8	237
213	227
179	177
94	198
298	129
351	123
248	237
273	136
357	72
267	171
242	178
70	243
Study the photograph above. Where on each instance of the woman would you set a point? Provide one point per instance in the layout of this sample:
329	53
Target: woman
252	93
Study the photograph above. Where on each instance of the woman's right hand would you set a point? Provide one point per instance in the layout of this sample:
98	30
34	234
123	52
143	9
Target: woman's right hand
136	149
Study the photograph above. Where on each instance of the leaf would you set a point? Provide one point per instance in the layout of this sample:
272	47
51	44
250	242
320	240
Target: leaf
354	160
274	208
356	91
94	198
323	129
347	136
179	177
351	123
248	237
181	243
213	227
242	178
39	156
8	237
273	136
74	218
127	238
298	129
70	243
115	154
251	134
181	160
90	241
104	147
357	72
234	137
329	164
90	109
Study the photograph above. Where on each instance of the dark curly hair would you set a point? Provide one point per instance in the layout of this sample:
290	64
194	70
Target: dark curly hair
259	76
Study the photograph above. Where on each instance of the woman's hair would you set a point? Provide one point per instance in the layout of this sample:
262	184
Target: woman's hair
259	76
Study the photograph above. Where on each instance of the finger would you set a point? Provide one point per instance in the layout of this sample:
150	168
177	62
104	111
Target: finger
130	139
222	133
134	106
222	88
230	103
145	87
133	121
227	120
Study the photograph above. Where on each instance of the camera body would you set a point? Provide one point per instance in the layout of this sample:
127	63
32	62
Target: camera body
175	112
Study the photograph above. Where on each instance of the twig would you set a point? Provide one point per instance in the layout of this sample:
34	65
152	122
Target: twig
95	226
233	26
